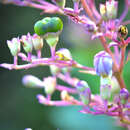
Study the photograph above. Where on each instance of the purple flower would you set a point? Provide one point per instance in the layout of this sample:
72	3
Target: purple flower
103	64
124	95
84	92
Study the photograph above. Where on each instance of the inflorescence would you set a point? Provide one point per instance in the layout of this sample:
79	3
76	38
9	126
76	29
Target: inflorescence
107	64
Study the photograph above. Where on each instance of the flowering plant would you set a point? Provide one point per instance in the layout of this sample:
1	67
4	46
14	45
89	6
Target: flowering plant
108	64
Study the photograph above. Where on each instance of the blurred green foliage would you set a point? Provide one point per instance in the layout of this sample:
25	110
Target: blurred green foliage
19	108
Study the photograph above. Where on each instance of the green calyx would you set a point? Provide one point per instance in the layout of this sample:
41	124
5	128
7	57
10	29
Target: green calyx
48	25
52	40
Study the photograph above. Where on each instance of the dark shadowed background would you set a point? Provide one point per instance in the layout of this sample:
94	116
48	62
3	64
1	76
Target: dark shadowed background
19	108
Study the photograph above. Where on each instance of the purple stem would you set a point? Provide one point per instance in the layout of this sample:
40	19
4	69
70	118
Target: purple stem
23	56
69	90
48	97
15	60
68	80
106	105
38	53
29	56
53	52
112	114
44	61
116	53
76	7
45	101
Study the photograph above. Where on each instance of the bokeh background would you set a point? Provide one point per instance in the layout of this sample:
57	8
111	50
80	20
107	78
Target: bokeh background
19	108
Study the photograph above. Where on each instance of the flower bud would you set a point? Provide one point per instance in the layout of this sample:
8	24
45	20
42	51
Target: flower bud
14	46
49	28
27	43
37	42
63	54
60	3
65	96
105	91
52	40
32	81
54	69
103	11
124	95
122	31
103	64
49	84
111	9
84	92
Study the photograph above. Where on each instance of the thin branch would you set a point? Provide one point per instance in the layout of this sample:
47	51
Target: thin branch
123	49
87	9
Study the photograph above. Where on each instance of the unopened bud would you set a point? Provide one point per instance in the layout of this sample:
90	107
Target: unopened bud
111	9
103	64
49	84
103	11
37	42
14	46
63	54
32	81
124	95
26	41
84	92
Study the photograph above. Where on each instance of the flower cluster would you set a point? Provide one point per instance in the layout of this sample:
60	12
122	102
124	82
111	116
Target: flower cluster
107	64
